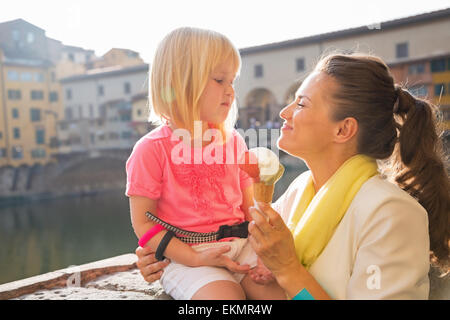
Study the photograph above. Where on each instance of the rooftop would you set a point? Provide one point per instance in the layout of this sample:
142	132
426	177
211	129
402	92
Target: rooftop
387	25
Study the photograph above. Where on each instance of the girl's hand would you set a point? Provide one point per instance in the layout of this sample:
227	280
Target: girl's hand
150	268
260	274
215	257
273	242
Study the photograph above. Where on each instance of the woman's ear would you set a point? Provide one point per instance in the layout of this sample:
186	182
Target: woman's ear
346	130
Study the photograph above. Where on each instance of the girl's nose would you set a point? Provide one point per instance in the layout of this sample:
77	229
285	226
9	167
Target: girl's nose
229	90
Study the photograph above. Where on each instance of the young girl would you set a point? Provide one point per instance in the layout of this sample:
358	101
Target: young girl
192	78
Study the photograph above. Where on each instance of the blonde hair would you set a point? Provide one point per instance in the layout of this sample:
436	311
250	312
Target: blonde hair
180	71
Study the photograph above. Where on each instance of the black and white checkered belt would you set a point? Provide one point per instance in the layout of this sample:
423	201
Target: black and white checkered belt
225	231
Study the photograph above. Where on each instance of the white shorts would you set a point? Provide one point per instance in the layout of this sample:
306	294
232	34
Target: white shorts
182	282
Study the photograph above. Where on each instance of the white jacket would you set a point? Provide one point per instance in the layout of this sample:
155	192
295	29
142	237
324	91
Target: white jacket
380	249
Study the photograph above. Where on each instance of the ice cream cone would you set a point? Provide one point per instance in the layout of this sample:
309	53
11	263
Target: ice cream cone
263	192
265	168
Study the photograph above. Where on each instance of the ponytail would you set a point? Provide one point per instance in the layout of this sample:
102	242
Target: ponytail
420	170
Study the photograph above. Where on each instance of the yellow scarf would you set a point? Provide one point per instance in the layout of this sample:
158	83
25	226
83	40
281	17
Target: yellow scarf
317	215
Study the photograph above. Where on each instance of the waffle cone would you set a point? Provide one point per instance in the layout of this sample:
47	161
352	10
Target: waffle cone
263	192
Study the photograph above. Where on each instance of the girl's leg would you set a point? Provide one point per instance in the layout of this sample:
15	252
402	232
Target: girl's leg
255	291
220	290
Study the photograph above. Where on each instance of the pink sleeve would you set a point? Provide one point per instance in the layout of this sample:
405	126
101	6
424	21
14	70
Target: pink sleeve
144	170
244	178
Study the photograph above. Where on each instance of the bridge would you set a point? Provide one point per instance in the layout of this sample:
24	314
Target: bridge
75	173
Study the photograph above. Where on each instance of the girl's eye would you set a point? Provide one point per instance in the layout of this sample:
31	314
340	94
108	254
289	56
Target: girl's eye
218	80
300	105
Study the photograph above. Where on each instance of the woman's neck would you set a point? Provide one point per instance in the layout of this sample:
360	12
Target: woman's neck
324	166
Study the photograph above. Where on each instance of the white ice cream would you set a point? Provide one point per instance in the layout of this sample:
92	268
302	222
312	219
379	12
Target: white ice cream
268	163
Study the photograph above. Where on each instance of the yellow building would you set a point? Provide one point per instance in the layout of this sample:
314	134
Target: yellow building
30	105
116	57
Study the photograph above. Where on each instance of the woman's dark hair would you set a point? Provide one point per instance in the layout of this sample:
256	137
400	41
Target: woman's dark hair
399	129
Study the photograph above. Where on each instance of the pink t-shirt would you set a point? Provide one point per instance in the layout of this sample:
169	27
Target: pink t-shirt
194	196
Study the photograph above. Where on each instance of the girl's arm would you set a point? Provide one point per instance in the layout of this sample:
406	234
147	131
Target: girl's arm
177	250
247	201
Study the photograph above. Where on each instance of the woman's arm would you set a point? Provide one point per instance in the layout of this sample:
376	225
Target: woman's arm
274	244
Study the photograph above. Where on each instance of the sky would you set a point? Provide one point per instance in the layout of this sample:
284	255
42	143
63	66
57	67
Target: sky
139	25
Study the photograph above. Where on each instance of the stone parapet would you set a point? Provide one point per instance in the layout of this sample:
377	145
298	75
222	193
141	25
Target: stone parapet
118	278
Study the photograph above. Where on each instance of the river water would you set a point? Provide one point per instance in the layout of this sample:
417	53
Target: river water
49	235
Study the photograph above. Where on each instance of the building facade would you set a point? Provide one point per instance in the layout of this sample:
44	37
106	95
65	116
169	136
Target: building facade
30	96
93	102
272	73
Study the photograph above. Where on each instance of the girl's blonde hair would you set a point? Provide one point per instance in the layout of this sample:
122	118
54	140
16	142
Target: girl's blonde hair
180	71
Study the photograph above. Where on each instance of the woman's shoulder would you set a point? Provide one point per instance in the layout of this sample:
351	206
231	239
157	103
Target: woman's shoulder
379	196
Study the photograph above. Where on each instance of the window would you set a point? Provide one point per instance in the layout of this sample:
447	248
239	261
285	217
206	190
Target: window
52	76
69	94
125	117
416	68
113	136
13	75
300	64
2	152
16	133
438	88
30	37
258	71
1	135
15	35
26	76
38	153
14	95
418	91
15	113
68	113
402	50
17	152
53	96
91	111
139	112
438	65
100	90
80	112
71	57
37	95
35	115
39	77
127	87
40	136
127	135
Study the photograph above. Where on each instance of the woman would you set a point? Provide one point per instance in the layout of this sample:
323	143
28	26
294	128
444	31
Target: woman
343	230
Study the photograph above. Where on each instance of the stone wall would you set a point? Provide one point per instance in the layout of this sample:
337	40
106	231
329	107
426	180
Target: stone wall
118	278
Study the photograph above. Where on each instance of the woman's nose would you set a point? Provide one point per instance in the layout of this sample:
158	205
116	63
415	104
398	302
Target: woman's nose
286	113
